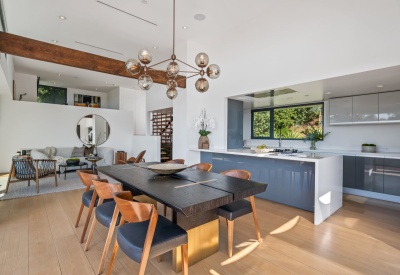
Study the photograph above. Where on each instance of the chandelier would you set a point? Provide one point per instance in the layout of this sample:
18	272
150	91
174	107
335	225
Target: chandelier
135	66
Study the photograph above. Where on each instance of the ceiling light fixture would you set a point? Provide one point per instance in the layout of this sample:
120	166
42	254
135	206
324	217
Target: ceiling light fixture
55	41
379	86
185	27
62	17
134	66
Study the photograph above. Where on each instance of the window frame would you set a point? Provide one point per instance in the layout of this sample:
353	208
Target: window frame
52	94
272	119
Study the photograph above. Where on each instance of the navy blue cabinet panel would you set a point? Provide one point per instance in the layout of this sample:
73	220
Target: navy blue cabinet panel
235	124
349	171
369	174
391	177
289	182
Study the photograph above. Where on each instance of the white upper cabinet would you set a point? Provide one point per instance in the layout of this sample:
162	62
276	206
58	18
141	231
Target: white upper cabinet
389	106
365	108
341	110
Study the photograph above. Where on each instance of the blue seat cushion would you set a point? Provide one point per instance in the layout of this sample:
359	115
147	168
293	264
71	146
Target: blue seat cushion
87	198
167	236
235	209
104	213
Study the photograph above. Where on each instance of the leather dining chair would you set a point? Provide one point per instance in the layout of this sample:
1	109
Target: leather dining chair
238	208
143	234
138	159
105	213
178	161
203	166
86	177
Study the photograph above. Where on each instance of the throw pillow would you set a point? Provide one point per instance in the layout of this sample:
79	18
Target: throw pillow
35	154
77	152
88	151
50	151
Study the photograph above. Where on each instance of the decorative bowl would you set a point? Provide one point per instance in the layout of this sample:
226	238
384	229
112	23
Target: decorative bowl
264	150
167	168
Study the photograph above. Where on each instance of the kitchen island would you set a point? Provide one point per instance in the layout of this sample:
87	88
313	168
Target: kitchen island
310	181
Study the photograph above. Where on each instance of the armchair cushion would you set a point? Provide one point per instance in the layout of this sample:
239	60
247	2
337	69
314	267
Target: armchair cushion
78	152
36	154
50	151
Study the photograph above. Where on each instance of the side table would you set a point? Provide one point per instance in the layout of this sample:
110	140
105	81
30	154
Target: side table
94	161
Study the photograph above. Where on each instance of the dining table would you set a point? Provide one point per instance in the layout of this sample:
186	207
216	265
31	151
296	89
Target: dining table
194	197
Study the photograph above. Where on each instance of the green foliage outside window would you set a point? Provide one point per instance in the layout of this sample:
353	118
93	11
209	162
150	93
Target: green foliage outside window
54	95
288	122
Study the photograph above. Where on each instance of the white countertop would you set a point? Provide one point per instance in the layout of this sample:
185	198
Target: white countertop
306	156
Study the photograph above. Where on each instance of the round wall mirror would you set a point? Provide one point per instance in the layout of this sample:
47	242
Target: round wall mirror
93	130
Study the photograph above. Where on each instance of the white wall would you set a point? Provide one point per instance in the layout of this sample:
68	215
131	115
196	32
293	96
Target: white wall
6	74
113	99
135	101
26	83
32	125
296	42
156	98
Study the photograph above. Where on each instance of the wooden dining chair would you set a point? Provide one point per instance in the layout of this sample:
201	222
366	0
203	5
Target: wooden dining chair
179	161
105	213
238	208
138	159
144	234
203	166
86	177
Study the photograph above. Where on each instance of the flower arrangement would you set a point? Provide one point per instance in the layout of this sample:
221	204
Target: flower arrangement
203	123
314	134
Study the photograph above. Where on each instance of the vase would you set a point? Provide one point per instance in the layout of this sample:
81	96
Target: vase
313	145
204	143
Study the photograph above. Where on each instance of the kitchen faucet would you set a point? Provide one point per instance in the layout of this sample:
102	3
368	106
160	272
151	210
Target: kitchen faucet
280	141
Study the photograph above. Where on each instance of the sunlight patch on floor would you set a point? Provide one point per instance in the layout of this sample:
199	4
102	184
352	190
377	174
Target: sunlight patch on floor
286	226
242	253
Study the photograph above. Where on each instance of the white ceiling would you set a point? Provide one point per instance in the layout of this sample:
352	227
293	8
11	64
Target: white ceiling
94	23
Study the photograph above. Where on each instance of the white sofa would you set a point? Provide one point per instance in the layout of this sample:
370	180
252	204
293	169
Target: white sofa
64	153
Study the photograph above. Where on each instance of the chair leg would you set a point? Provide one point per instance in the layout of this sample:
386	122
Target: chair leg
89	238
79	215
253	206
185	259
113	256
88	219
108	240
55	175
29	182
9	178
37	183
230	237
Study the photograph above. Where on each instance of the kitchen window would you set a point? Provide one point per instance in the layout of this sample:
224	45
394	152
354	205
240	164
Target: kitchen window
289	122
53	95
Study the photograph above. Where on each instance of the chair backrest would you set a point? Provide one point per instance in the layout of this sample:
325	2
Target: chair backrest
105	190
139	157
86	177
242	174
133	211
204	166
24	168
180	161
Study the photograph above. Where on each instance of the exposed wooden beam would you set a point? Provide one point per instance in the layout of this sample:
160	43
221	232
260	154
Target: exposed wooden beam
34	49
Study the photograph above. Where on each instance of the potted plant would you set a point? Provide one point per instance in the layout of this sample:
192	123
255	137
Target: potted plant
313	135
368	148
203	123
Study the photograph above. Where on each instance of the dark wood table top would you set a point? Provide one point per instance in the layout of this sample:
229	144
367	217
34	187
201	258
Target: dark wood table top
188	192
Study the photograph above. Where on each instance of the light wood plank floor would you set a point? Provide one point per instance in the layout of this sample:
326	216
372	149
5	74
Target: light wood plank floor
37	236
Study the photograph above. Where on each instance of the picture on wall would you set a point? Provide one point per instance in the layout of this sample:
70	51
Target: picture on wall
87	101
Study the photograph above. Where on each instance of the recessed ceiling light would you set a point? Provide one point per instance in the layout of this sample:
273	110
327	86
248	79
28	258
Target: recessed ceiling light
62	17
96	89
199	17
55	41
155	47
59	74
328	93
379	86
184	27
144	1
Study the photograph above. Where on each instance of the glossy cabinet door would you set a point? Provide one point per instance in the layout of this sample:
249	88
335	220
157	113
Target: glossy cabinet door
365	108
369	174
349	171
341	110
391	177
389	106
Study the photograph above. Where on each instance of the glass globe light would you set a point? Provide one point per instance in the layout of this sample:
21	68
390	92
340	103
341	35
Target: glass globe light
171	83
145	82
145	57
213	71
202	85
172	93
133	66
201	60
172	69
